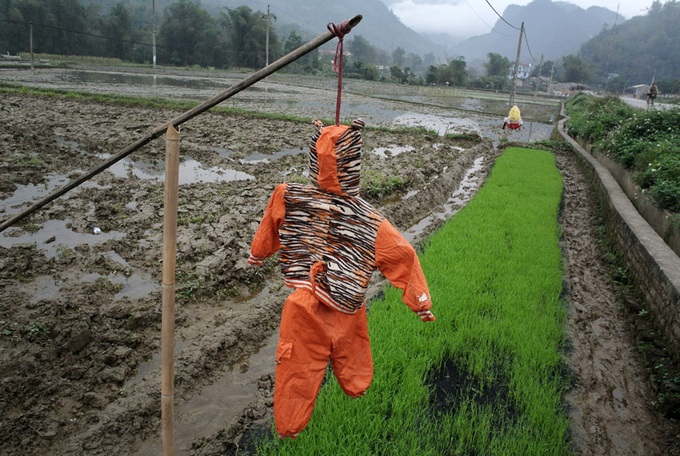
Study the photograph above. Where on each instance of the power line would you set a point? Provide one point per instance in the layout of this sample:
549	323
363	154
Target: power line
225	51
526	40
77	32
477	14
502	18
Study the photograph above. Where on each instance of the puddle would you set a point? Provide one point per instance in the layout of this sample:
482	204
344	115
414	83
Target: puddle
55	238
486	127
190	171
44	289
530	132
146	368
25	195
135	286
219	404
392	150
442	125
467	188
258	157
91	77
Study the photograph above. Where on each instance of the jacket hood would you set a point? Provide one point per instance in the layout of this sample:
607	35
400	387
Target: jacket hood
335	158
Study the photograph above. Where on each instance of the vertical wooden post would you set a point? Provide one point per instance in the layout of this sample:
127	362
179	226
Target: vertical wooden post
168	314
30	42
514	72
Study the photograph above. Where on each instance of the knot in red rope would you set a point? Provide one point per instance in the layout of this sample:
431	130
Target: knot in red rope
339	31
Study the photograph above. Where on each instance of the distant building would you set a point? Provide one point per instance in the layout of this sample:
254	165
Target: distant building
523	71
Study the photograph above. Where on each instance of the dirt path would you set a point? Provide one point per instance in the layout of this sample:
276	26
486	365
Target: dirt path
80	312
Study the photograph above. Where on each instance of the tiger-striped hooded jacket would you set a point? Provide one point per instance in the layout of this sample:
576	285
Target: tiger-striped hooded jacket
330	239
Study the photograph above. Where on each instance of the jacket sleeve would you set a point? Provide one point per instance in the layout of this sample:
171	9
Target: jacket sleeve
399	263
266	240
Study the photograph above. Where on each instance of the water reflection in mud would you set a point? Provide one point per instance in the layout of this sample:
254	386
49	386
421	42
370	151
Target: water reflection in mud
465	191
392	150
484	126
55	238
257	157
190	171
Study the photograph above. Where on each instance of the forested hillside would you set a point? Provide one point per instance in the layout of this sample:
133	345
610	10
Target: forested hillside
638	51
308	19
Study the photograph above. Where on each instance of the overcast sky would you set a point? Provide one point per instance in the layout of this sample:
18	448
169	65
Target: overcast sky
466	18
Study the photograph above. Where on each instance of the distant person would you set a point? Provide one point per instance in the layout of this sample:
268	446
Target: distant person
514	119
651	95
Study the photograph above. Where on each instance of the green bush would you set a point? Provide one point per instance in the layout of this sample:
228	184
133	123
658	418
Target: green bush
592	118
645	142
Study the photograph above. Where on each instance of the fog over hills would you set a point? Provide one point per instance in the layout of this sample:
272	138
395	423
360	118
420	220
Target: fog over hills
553	28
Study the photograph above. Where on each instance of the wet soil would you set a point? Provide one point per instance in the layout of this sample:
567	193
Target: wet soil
80	299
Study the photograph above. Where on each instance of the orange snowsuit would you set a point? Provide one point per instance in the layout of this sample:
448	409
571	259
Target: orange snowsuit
330	242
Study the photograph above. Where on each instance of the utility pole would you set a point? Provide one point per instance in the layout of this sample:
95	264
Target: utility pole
514	73
30	42
267	39
153	30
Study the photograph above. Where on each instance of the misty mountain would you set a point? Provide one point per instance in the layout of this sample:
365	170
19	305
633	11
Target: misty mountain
638	51
379	25
552	29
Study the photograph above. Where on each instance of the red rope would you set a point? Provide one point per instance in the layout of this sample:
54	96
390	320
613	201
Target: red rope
340	30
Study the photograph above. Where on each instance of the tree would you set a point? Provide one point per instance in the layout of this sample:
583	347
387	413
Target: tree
398	74
183	28
457	72
362	50
119	29
497	65
575	70
308	63
453	74
398	57
248	38
359	69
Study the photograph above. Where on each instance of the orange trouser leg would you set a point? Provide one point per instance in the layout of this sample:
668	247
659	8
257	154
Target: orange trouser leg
351	356
310	335
301	360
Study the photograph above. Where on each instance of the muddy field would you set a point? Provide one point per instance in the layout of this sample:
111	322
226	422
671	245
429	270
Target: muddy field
80	279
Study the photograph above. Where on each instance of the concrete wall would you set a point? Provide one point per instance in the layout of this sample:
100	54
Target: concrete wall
658	219
653	265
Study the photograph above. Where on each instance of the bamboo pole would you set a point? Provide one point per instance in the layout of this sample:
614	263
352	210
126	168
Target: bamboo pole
177	121
168	313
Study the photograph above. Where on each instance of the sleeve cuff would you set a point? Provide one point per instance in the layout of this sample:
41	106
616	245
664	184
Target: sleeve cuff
255	261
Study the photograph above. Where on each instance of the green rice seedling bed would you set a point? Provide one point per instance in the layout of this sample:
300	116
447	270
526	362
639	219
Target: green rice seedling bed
488	377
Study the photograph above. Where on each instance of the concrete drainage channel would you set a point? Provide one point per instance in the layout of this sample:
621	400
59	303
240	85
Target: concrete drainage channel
655	266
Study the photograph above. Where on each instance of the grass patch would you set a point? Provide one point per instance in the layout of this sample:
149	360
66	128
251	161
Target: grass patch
488	376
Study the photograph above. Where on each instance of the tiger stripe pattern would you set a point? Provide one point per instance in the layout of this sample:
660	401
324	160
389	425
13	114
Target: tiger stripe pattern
348	154
337	233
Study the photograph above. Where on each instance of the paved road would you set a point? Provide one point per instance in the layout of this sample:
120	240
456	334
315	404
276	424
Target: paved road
642	103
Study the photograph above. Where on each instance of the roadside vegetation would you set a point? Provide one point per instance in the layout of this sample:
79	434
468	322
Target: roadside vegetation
488	376
644	142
